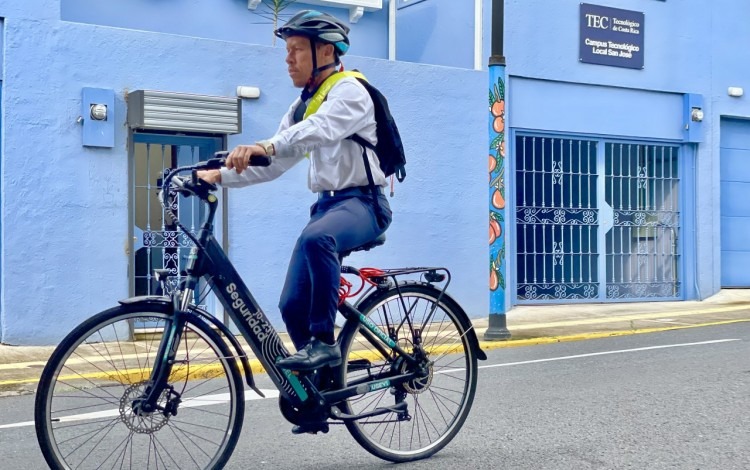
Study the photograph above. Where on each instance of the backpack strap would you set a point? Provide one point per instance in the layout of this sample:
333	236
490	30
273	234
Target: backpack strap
371	181
317	100
322	92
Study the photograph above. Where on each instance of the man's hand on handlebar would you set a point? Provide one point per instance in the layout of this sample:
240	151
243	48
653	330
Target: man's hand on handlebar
209	176
239	158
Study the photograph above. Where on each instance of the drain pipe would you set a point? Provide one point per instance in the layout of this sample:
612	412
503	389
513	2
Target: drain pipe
497	328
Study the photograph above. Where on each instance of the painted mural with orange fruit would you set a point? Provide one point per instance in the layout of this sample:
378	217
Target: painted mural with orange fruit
497	192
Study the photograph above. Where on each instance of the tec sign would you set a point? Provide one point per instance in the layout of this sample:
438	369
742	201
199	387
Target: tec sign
611	36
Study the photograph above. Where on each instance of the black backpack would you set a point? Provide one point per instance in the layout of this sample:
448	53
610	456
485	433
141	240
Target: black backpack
390	149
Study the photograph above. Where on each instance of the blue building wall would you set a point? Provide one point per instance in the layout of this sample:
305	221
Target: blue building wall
2	48
438	32
225	20
65	211
686	51
64	215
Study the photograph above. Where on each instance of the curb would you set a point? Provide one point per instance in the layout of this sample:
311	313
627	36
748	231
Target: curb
489	345
257	367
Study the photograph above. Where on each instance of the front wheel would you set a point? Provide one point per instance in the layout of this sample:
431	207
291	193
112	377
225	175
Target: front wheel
84	410
422	323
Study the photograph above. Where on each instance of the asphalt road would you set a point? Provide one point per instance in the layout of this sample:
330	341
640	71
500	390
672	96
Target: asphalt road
677	399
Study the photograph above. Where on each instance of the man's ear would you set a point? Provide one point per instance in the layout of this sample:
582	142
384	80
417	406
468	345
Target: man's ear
327	50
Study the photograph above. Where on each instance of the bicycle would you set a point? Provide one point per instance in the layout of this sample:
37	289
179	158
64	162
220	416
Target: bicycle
130	380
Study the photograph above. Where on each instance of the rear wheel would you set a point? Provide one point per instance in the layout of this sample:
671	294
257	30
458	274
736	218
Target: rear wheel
84	410
438	403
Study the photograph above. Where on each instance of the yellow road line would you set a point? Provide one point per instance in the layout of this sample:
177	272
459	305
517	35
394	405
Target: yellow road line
515	327
256	366
205	371
487	345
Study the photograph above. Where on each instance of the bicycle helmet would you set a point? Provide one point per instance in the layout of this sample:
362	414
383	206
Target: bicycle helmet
317	26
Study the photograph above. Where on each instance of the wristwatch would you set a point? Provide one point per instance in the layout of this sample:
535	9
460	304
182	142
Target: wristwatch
267	146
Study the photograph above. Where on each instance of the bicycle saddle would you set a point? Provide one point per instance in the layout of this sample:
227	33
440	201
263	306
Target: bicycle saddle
366	247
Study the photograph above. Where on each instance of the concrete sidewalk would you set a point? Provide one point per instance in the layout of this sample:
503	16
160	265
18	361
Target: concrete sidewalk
20	367
554	323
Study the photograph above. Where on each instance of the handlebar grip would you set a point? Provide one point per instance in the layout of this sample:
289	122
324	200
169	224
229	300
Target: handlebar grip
220	158
260	160
217	162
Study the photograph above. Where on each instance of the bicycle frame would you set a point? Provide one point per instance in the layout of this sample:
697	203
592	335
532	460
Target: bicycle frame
208	260
410	359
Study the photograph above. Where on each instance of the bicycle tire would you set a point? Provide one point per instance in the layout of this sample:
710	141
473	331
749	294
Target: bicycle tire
83	409
437	408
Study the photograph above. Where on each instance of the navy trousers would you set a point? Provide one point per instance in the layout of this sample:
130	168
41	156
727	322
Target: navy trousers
337	223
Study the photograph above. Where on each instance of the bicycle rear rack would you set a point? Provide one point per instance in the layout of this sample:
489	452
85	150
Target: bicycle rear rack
387	278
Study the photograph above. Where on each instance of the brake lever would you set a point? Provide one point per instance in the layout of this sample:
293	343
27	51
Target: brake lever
198	182
211	186
220	158
215	163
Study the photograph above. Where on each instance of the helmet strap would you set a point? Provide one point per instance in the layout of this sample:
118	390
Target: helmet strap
309	88
325	67
314	53
308	91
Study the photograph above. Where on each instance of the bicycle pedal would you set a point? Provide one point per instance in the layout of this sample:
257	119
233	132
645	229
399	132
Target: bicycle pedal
310	428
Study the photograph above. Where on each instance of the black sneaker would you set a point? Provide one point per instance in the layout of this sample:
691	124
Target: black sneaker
310	428
313	356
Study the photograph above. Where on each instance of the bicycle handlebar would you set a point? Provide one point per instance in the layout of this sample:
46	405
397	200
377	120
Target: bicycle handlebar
220	158
216	162
194	186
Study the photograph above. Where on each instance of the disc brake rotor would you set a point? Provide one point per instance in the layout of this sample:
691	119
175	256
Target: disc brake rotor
418	384
143	423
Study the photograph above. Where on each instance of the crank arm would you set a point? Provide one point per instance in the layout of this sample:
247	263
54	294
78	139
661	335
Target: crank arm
397	408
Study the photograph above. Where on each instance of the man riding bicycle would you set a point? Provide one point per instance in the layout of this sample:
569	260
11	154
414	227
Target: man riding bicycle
345	215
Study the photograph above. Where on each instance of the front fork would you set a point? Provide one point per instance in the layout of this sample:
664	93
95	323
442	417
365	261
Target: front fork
158	381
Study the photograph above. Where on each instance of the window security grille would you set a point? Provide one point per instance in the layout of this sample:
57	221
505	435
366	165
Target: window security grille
595	220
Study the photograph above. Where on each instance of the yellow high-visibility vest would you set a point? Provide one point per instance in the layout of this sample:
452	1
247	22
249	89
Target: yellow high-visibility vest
320	95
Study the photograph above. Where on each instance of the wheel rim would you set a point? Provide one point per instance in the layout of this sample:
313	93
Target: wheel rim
437	402
90	420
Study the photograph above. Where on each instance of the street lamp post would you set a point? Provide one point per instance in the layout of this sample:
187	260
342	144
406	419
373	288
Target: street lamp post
497	328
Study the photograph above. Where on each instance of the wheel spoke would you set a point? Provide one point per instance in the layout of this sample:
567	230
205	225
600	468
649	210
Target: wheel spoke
92	423
437	408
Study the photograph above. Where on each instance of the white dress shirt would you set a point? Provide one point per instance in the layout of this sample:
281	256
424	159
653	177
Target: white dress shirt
335	161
